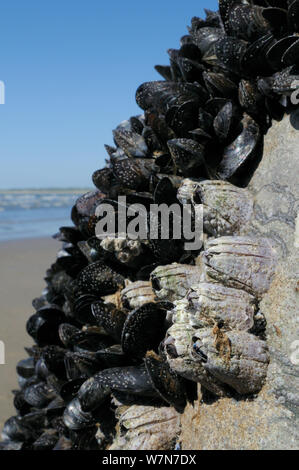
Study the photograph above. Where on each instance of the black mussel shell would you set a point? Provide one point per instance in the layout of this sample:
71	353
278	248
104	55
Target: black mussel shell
181	119
219	85
187	154
14	430
164	71
82	309
75	418
99	279
205	38
39	395
110	318
81	364
226	121
165	192
11	445
102	179
238	152
66	333
277	50
131	380
290	57
63	444
250	97
113	357
20	403
167	383
286	81
53	358
131	143
43	325
293	16
143	330
160	96
133	173
46	441
68	234
254	61
70	389
230	52
247	21
26	367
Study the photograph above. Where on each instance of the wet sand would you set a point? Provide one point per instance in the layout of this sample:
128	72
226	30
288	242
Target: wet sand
23	264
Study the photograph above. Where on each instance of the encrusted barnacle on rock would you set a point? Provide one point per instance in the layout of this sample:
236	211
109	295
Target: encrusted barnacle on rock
210	303
146	428
172	282
226	208
235	358
209	341
178	349
246	263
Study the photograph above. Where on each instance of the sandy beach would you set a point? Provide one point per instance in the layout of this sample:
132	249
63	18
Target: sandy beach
23	264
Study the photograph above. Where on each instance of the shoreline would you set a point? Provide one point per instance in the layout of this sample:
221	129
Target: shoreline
23	264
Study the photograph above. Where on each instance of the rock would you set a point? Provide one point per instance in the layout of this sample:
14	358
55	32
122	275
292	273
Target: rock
269	420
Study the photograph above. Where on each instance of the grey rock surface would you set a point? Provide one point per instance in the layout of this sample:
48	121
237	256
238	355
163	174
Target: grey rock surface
270	420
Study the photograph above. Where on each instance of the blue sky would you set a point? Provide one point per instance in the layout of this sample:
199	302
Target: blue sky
71	69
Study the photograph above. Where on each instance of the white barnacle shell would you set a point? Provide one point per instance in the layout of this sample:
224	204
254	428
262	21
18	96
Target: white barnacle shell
173	281
146	428
178	349
226	208
236	358
137	294
125	249
246	263
187	190
210	303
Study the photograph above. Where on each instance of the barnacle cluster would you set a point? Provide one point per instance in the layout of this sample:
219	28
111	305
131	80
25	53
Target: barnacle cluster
125	326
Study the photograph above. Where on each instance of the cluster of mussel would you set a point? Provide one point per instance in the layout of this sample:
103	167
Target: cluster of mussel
125	327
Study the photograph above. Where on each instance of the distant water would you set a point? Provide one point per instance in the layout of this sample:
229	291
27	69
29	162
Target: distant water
30	214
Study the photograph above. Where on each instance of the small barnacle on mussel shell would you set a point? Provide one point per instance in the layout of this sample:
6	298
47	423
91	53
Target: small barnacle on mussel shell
126	250
246	263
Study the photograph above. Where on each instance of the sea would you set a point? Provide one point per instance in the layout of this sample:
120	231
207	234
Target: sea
35	213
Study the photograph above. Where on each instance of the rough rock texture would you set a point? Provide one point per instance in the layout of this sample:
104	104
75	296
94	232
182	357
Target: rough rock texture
270	420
